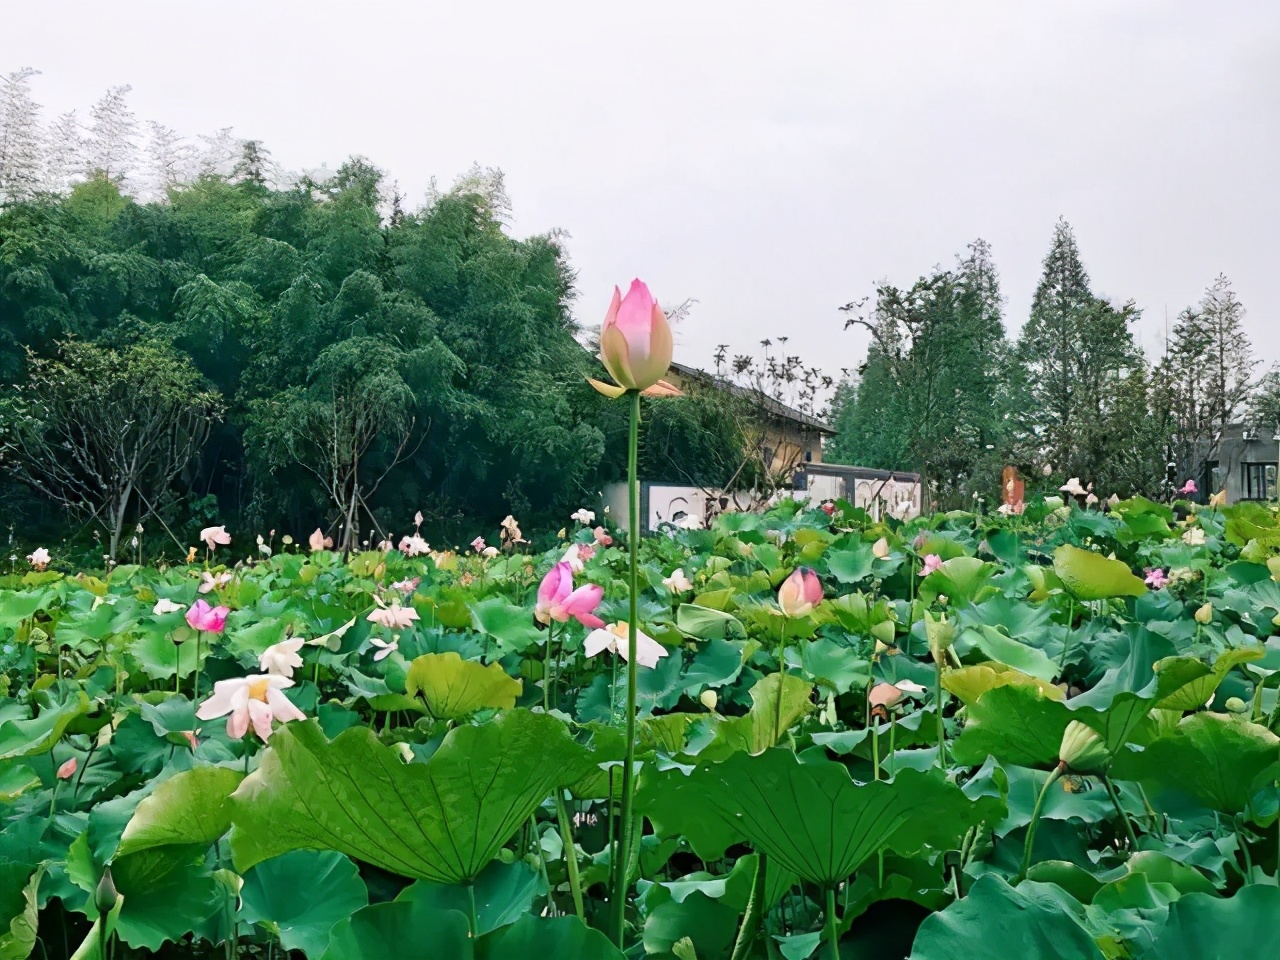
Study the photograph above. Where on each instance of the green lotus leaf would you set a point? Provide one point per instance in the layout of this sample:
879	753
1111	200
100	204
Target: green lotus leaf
547	938
812	818
190	808
1205	927
764	725
996	922
453	687
403	929
1004	649
19	909
442	820
852	564
22	735
970	683
1219	761
300	896
511	628
1091	576
503	892
1185	683
704	623
962	580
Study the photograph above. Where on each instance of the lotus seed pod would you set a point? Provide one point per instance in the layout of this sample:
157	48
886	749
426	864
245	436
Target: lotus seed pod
709	699
1083	749
1205	614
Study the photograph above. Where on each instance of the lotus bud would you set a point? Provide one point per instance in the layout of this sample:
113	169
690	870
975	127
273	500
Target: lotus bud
105	895
941	634
880	549
1205	614
709	699
800	593
883	632
635	341
1236	705
68	769
1083	749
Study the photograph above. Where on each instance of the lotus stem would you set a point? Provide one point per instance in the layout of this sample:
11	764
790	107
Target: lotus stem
625	827
833	947
471	904
546	669
875	750
751	916
1058	771
1114	794
937	706
195	675
570	855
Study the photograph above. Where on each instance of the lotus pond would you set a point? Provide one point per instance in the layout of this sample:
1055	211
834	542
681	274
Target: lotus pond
1047	735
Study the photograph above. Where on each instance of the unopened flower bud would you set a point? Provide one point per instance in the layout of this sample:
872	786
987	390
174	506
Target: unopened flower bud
883	632
1236	705
709	699
1083	749
1205	614
105	895
68	769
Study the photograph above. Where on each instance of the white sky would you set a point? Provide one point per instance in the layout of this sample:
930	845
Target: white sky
771	160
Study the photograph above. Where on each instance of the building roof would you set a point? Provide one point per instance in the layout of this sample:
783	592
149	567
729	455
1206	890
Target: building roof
774	407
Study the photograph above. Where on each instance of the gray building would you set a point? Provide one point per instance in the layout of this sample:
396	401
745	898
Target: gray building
1245	465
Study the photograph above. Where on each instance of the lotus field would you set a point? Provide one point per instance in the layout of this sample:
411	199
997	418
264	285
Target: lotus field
1045	735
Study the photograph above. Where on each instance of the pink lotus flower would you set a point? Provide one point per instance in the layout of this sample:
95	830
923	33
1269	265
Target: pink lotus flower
558	600
407	586
614	638
282	658
256	699
1188	488
489	552
602	537
829	509
215	536
394	617
201	616
478	544
932	562
318	541
586	551
1156	578
68	769
800	593
635	342
39	558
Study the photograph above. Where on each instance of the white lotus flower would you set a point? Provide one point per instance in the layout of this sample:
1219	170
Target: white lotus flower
583	516
165	605
256	699
614	638
282	658
384	649
574	559
1194	537
1074	488
677	582
394	617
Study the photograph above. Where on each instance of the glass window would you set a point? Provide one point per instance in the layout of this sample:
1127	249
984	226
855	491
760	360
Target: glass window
1216	477
1260	481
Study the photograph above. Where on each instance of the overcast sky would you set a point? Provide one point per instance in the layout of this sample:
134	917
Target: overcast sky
771	160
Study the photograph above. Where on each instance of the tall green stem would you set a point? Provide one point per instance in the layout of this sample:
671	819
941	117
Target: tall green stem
751	916
570	854
546	668
833	947
937	706
1114	794
1035	819
622	848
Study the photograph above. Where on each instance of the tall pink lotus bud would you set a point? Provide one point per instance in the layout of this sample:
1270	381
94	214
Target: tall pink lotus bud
800	593
635	341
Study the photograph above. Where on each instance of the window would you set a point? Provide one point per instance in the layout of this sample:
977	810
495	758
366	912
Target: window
1215	477
808	456
1259	481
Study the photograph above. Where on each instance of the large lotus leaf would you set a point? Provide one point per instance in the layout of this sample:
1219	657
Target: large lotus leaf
546	938
16	778
403	929
1091	576
510	627
442	820
970	683
833	665
299	896
503	893
1185	683
167	891
1205	927
962	580
996	922
16	606
1018	724
1217	760
188	808
22	735
813	818
996	646
759	728
852	564
704	623
453	687
18	919
1015	618
1251	521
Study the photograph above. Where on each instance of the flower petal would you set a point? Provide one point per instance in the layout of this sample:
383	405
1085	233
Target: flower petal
260	714
226	694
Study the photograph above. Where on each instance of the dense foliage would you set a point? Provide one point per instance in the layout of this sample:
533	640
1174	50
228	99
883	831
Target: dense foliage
946	393
359	369
1052	734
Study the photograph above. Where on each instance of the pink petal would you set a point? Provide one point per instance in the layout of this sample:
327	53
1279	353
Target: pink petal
260	714
238	722
283	708
226	694
583	600
597	642
556	585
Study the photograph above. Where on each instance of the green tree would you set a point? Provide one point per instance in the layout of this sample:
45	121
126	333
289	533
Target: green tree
107	432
